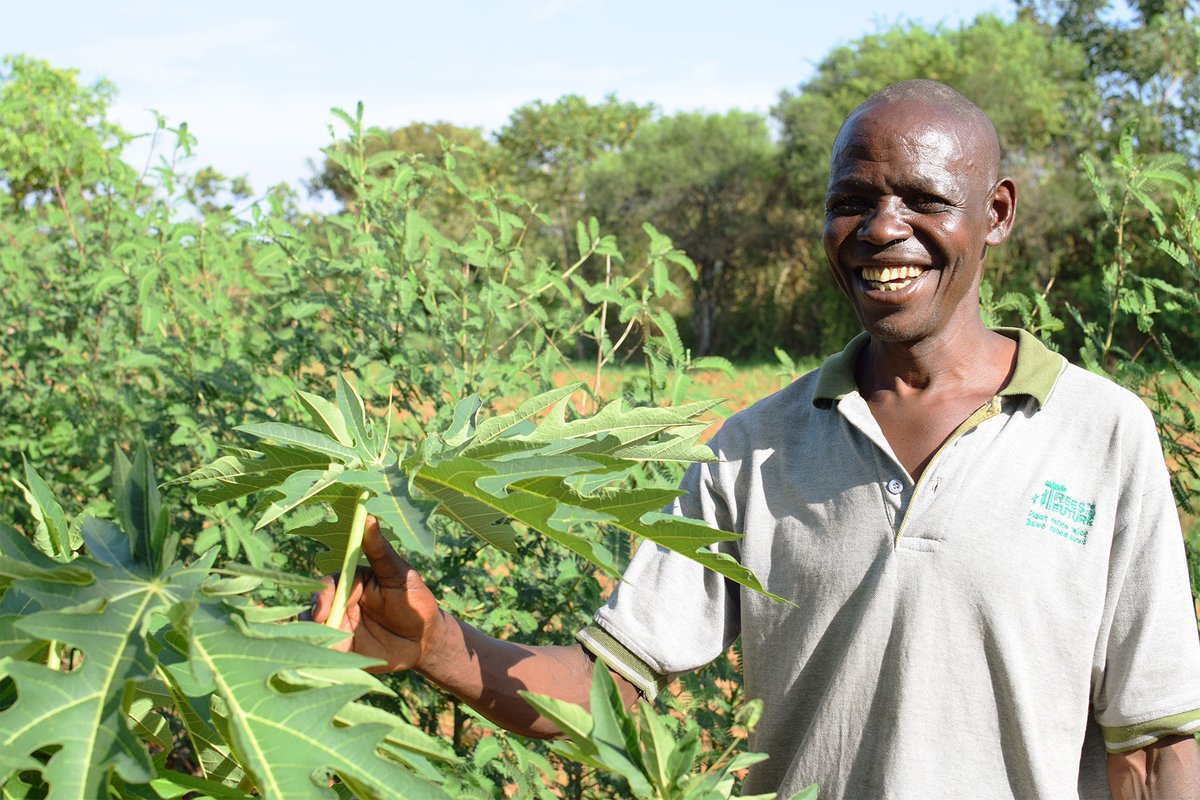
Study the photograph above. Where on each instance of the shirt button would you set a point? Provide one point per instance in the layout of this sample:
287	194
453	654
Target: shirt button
894	486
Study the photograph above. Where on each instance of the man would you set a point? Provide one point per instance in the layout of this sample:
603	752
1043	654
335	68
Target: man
980	540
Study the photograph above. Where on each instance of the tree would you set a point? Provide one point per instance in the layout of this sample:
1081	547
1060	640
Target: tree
547	148
50	128
711	183
1144	57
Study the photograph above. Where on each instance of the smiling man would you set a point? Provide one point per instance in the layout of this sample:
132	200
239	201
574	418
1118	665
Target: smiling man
979	540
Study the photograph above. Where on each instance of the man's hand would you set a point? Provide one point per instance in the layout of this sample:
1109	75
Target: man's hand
393	616
390	613
1169	769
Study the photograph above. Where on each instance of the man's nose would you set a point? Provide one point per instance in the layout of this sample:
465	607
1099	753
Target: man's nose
885	223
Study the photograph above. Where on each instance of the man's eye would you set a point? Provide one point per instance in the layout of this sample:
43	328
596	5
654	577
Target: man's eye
927	204
845	205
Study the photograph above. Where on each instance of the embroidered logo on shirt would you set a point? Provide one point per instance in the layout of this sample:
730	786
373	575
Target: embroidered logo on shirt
1053	509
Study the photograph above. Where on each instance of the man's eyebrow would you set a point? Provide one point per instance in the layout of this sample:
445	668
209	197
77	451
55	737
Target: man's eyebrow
852	184
920	184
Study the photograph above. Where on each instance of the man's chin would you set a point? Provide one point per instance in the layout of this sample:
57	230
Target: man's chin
893	328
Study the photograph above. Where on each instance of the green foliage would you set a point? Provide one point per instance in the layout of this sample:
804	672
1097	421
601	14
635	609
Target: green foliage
429	142
139	303
104	654
1143	56
128	308
656	762
52	131
550	145
1138	299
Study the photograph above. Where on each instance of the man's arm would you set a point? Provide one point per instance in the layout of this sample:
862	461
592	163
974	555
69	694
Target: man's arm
1169	769
392	616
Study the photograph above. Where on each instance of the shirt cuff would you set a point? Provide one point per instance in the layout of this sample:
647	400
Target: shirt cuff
1133	737
620	660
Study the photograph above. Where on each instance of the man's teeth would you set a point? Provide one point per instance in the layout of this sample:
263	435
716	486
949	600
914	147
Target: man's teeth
890	279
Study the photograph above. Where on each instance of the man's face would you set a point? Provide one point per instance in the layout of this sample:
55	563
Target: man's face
910	211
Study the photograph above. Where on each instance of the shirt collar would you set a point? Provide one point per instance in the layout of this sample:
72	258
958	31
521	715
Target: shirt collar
1037	371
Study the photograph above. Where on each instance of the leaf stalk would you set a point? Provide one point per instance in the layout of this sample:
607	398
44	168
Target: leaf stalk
353	547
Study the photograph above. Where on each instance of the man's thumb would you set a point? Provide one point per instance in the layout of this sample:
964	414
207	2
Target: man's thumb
385	562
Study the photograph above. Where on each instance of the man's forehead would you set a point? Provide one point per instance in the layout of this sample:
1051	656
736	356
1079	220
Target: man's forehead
928	134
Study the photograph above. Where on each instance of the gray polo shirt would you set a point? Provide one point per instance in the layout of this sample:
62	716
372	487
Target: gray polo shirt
982	633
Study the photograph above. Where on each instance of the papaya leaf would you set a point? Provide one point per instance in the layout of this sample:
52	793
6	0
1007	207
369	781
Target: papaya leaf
452	485
297	467
557	489
657	744
171	784
331	533
615	732
288	580
462	426
354	414
287	740
404	742
396	510
636	430
604	739
81	712
520	420
194	704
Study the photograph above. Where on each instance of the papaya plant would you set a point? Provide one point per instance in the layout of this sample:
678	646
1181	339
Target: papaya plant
264	706
643	748
127	671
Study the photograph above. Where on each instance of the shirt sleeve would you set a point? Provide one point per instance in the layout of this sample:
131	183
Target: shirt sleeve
668	614
1146	673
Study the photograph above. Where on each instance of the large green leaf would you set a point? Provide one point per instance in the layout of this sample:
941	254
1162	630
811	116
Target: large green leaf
331	533
81	712
297	467
557	476
521	420
552	507
194	705
283	736
326	416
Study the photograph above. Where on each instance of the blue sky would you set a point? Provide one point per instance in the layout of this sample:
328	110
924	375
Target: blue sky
255	79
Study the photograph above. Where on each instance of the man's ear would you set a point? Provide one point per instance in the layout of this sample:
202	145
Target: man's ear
1002	208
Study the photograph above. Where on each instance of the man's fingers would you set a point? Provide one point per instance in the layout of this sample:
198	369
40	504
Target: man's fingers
388	566
322	600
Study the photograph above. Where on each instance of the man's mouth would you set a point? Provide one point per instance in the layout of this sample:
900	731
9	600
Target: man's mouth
890	279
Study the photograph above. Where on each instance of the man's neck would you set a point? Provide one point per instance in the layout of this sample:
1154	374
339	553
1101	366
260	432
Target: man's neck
962	357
